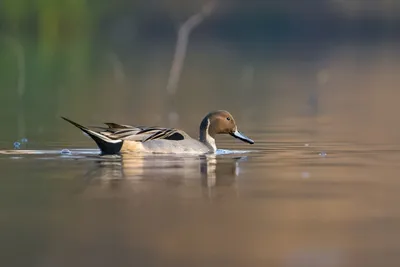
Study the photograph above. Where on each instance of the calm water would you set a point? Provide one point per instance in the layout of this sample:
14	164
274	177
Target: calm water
292	200
320	187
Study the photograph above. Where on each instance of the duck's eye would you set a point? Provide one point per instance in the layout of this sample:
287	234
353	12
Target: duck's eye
228	119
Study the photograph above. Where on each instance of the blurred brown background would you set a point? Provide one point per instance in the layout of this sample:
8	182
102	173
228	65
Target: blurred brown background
266	60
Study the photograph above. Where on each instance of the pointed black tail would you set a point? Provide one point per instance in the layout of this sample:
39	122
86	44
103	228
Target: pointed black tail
107	145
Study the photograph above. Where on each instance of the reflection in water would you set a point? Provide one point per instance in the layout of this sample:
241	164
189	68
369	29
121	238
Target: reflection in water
210	170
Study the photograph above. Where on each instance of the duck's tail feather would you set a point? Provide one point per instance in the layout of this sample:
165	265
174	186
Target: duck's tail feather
106	144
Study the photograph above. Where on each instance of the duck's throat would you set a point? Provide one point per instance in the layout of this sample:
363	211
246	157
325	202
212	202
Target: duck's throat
210	142
205	137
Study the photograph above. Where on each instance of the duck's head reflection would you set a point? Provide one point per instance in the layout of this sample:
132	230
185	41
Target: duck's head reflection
210	170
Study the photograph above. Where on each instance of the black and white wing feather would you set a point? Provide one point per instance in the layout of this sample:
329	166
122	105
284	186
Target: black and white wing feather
141	133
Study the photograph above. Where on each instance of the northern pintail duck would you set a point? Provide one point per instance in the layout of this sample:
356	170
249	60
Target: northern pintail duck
119	138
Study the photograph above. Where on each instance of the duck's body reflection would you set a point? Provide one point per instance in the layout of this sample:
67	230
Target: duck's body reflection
145	172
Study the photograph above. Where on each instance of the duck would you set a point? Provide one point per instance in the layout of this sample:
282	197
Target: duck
125	139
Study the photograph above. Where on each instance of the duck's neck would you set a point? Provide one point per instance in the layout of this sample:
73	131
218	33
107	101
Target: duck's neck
205	136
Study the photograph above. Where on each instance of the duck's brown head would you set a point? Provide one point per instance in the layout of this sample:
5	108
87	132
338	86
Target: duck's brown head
220	122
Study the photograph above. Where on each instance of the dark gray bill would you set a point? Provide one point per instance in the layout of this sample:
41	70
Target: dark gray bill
242	137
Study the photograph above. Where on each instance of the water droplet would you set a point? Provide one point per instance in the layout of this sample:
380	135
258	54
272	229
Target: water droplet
17	145
66	152
24	140
322	154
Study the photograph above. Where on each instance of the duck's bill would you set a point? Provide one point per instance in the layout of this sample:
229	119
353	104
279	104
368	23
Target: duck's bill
242	137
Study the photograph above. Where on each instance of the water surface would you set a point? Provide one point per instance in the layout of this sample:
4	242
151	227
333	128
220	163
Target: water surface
291	200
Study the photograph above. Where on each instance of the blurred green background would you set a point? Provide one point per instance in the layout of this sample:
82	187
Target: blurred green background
102	60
